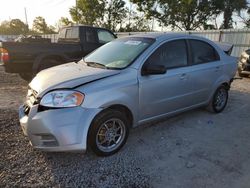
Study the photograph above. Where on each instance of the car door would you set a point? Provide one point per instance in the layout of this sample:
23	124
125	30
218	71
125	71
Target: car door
165	93
206	68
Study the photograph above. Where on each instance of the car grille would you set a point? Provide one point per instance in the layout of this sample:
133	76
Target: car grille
31	99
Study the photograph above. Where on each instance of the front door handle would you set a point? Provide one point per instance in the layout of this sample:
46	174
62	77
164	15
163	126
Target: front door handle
183	76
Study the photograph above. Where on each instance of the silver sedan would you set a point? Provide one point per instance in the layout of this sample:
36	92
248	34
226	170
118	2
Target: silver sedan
123	84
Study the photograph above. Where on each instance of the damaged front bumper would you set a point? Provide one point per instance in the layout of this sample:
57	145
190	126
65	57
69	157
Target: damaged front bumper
57	129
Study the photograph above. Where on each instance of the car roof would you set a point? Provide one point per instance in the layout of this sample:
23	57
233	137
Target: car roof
82	25
165	35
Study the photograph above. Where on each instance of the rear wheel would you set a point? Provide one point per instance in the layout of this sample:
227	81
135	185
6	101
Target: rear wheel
108	132
219	100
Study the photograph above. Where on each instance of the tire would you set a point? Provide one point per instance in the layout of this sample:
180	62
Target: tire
219	100
47	63
26	76
108	132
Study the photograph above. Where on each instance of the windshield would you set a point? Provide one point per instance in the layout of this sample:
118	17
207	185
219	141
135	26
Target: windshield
120	53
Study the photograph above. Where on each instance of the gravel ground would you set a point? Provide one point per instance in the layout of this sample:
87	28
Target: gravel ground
194	149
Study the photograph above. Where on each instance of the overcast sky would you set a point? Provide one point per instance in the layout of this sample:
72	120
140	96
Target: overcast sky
51	10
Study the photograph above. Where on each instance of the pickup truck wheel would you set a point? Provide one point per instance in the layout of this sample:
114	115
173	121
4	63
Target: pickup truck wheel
108	132
26	76
219	100
47	63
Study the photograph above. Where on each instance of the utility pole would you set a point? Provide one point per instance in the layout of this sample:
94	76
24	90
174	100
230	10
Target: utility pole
130	11
153	21
26	19
76	13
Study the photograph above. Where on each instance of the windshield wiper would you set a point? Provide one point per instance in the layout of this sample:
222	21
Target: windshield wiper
96	65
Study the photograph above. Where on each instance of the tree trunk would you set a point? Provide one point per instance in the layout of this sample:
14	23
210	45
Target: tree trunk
227	23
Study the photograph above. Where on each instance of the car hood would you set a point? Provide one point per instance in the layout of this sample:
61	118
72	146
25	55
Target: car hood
69	75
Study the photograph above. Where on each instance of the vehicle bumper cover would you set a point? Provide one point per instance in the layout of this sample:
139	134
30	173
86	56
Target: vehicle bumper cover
57	129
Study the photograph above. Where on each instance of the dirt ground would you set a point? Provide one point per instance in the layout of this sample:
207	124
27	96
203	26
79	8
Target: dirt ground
195	149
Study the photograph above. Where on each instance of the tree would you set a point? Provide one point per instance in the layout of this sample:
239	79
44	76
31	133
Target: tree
40	26
245	19
180	14
18	27
89	12
136	23
228	7
64	21
13	27
115	12
5	28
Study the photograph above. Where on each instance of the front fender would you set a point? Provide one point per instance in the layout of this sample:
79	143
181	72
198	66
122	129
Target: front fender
127	97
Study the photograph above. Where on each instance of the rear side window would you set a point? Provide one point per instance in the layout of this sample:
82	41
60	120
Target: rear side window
202	52
105	36
72	33
62	33
171	54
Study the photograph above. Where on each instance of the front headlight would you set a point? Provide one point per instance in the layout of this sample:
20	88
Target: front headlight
62	98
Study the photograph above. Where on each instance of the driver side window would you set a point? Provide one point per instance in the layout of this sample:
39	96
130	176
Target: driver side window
171	54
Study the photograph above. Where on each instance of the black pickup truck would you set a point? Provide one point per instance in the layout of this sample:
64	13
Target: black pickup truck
33	55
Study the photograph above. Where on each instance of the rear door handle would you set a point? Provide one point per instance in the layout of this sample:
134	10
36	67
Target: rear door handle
217	68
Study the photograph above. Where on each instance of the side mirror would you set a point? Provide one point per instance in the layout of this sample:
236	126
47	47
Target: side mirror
153	69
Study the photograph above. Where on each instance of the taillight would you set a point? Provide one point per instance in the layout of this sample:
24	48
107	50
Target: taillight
4	55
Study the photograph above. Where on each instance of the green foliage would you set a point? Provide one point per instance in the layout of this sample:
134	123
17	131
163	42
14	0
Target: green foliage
228	7
180	14
136	23
40	26
190	15
88	12
115	13
105	13
64	21
13	27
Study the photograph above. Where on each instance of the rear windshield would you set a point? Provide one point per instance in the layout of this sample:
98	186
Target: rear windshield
119	53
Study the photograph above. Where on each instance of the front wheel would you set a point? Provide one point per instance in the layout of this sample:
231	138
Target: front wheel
47	63
108	132
26	76
219	100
